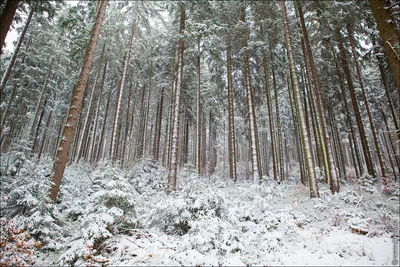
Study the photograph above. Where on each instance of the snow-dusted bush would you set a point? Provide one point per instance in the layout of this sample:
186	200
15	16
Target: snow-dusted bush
109	208
146	177
25	197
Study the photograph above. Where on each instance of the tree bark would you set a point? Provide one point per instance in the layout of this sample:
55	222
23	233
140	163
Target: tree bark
175	133
350	85
6	19
389	35
75	107
296	93
371	121
231	118
322	128
255	163
115	132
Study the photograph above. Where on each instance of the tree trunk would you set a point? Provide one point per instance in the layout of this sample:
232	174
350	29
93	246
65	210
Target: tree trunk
92	154
231	118
175	133
270	115
304	136
84	134
198	112
6	74
75	107
157	138
389	35
255	163
326	149
115	132
350	85
371	122
6	19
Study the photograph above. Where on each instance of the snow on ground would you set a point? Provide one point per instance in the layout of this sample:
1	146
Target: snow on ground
112	217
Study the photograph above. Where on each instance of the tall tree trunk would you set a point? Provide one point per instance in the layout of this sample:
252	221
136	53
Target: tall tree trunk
198	112
203	152
231	118
84	133
296	93
96	116
255	163
6	18
270	115
6	74
326	149
157	138
389	35
350	85
175	133
7	110
103	128
75	107
42	96
371	122
115	132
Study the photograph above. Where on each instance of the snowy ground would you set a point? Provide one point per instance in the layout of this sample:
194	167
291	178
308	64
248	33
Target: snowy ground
114	218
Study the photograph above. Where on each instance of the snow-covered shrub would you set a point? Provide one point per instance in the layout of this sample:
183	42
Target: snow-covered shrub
26	198
109	208
146	177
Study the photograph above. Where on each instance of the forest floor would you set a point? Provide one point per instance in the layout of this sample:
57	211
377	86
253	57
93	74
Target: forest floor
110	217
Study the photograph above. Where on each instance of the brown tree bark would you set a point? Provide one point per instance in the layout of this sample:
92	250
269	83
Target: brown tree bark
175	133
231	118
6	74
350	85
255	162
389	35
6	19
75	107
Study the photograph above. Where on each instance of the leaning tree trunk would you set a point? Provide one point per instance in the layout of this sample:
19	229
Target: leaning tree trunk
6	19
296	93
75	107
175	133
389	35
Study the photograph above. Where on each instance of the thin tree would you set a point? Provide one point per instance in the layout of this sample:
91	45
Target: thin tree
116	126
231	117
297	98
76	106
255	163
350	85
175	133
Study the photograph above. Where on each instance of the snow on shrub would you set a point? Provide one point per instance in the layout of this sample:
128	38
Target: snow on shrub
109	209
26	198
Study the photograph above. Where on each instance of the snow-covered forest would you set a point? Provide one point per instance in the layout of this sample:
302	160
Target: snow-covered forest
199	133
